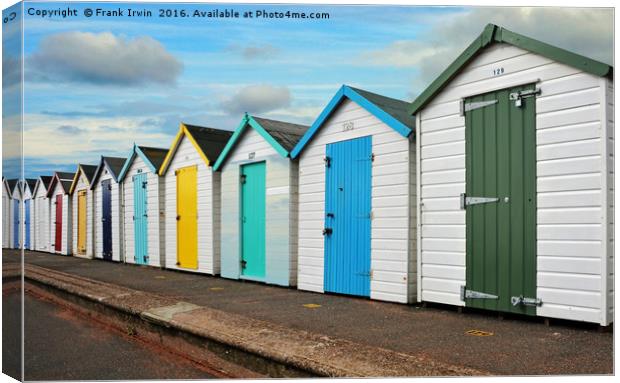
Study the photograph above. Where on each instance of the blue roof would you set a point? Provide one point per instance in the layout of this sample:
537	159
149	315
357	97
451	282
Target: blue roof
390	111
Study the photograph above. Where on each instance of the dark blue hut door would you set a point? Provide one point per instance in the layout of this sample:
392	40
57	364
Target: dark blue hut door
106	218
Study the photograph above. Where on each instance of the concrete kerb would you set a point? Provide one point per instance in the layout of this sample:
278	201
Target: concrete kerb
295	352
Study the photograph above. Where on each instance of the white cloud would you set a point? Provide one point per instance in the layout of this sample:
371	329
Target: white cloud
103	58
587	31
260	98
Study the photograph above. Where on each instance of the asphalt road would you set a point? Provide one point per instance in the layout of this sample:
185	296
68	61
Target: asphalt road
518	345
60	345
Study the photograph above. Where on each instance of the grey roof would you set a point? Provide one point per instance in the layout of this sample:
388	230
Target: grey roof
66	179
155	155
285	133
211	141
396	108
89	171
31	182
46	181
12	183
115	164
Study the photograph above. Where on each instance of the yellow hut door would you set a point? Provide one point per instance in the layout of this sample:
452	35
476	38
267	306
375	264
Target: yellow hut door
187	217
81	232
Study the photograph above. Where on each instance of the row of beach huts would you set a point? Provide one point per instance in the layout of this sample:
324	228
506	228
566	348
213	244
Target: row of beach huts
493	190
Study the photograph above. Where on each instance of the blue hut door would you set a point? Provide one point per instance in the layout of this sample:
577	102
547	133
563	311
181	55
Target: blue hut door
27	224
347	216
140	218
16	224
106	218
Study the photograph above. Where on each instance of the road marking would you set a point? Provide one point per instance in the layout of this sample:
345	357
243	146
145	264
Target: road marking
311	306
479	333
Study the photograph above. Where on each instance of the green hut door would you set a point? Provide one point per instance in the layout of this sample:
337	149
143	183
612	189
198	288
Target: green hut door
500	201
253	220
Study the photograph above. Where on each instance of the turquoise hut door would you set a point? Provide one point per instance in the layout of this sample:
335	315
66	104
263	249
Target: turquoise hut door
347	216
253	220
140	218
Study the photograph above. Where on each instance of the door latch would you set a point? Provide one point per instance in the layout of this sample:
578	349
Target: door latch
518	97
521	300
328	161
327	231
244	264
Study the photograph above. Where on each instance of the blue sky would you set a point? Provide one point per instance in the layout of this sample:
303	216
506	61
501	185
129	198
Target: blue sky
94	86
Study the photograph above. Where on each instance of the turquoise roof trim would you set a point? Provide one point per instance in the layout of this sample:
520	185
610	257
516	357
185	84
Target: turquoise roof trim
348	92
245	121
135	151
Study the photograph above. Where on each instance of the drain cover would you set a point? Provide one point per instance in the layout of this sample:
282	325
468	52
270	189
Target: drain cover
478	333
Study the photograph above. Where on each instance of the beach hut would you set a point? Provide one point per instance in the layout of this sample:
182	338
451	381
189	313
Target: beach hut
6	213
357	198
107	208
515	151
82	213
60	214
143	202
41	218
29	226
259	202
192	199
15	188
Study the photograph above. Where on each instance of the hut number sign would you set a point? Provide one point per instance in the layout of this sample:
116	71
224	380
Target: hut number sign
347	126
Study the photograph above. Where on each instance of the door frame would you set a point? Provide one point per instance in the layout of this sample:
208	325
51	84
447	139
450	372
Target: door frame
241	274
329	221
528	169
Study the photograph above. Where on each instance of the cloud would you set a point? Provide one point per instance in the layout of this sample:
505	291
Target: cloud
258	52
11	71
585	31
70	130
257	99
103	58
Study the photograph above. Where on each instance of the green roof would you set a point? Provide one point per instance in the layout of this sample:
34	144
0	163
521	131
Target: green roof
495	34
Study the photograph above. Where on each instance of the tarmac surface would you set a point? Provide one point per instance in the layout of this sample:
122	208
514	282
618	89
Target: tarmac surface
517	345
60	345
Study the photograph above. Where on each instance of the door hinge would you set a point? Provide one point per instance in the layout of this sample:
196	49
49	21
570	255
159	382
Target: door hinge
328	161
372	157
466	201
327	231
242	179
520	95
471	294
144	184
244	264
521	300
468	106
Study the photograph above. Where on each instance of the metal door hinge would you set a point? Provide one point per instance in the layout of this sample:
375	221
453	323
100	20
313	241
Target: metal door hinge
327	231
521	300
467	106
372	157
244	264
466	201
517	97
471	294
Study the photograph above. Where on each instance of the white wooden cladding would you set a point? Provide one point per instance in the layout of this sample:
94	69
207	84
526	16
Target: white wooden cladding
80	186
155	238
6	228
208	210
574	120
280	209
41	219
393	195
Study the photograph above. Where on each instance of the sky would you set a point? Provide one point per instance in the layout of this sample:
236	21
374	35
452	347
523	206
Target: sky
95	85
